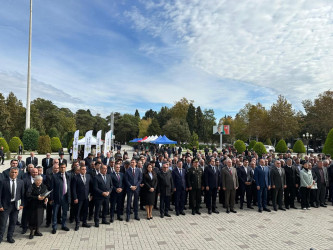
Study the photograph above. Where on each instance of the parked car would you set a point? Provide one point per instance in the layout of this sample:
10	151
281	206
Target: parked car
310	150
269	148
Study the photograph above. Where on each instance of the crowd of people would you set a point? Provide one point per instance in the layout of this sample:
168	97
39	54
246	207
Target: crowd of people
112	186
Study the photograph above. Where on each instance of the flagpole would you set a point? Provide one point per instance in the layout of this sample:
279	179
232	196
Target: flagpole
27	119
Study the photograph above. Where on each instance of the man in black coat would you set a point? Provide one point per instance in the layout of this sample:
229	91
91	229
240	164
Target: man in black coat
81	188
49	206
321	183
47	162
11	201
278	182
62	159
32	160
165	189
292	182
117	192
60	197
212	182
102	186
2	155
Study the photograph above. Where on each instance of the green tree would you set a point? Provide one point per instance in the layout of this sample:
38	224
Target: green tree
150	114
194	141
268	141
240	146
16	110
259	148
239	128
137	114
252	143
200	123
190	118
126	128
30	139
53	132
177	130
299	147
154	128
179	110
209	122
55	144
44	144
143	127
14	144
5	116
163	116
84	120
328	146
70	144
281	146
258	119
3	143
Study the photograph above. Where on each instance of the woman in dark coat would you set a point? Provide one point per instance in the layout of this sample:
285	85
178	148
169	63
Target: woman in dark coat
150	184
36	206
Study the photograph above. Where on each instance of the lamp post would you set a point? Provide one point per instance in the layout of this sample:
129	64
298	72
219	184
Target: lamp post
307	137
27	118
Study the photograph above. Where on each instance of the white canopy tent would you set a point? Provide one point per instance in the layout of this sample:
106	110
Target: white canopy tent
81	142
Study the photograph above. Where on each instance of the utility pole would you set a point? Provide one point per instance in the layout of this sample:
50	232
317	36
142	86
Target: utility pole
112	129
27	118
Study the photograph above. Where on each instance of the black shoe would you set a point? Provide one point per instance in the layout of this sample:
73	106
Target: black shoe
233	211
209	211
47	225
54	231
323	205
294	207
86	225
182	213
185	208
177	213
136	218
127	219
275	209
111	219
65	229
10	240
96	224
162	215
167	215
198	212
105	222
170	209
260	210
287	207
18	223
76	228
119	218
31	236
90	218
269	204
215	211
241	207
250	207
24	230
281	208
267	209
228	211
37	233
148	218
193	212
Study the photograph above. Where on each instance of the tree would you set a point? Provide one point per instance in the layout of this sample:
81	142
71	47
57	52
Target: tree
281	146
282	119
137	114
84	120
150	114
194	141
209	122
259	148
16	111
299	147
143	127
179	110
240	146
177	130
55	144
328	146
126	128
44	144
4	144
5	116
163	116
53	132
252	143
14	144
190	118
239	128
200	123
258	119
268	141
70	144
30	139
154	128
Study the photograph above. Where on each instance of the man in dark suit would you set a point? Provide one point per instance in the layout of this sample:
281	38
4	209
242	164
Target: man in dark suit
102	190
21	164
278	181
212	182
230	185
11	201
249	183
133	179
88	159
32	160
242	179
165	189
49	206
60	197
322	178
81	188
107	159
47	162
20	149
179	189
194	183
117	192
263	182
62	159
13	164
2	155
292	182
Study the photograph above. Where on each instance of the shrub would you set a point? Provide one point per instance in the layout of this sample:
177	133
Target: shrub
53	132
30	139
55	144
252	143
299	147
259	148
70	144
268	141
328	146
194	141
44	144
14	144
240	146
4	144
281	146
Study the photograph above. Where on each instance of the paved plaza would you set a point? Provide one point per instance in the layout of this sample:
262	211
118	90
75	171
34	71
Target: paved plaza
293	229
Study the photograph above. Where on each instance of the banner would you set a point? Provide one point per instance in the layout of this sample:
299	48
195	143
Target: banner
87	144
107	146
76	145
98	142
226	129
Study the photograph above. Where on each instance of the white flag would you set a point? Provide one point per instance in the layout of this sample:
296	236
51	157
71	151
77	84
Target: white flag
76	145
87	144
98	142
107	142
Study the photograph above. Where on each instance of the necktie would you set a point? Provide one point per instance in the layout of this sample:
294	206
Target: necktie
20	164
180	172
64	187
104	177
118	177
214	170
47	162
280	171
84	179
133	172
230	171
13	189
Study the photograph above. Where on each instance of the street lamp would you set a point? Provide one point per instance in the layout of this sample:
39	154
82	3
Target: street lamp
307	137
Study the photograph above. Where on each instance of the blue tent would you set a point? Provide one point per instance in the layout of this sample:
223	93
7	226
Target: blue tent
136	140
158	138
163	140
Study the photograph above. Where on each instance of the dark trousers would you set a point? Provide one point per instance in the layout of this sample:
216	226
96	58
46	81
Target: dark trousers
249	198
81	209
254	193
24	219
64	208
12	213
2	158
262	197
123	202
195	199
241	192
164	204
180	200
91	207
277	194
289	196
135	196
331	192
211	198
49	209
305	196
72	211
101	204
222	197
321	192
313	196
116	199
230	196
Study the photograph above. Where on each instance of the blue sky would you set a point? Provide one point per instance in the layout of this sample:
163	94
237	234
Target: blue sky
121	55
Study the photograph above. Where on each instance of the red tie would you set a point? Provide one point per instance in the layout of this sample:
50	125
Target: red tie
133	172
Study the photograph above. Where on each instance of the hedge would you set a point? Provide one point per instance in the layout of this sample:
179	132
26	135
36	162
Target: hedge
4	144
299	147
252	143
259	148
30	139
14	144
281	146
328	146
55	144
240	146
44	144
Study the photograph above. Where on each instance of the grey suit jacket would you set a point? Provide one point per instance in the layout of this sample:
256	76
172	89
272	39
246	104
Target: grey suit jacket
229	181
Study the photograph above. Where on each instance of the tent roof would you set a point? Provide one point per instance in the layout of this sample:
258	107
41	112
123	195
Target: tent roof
93	141
163	140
